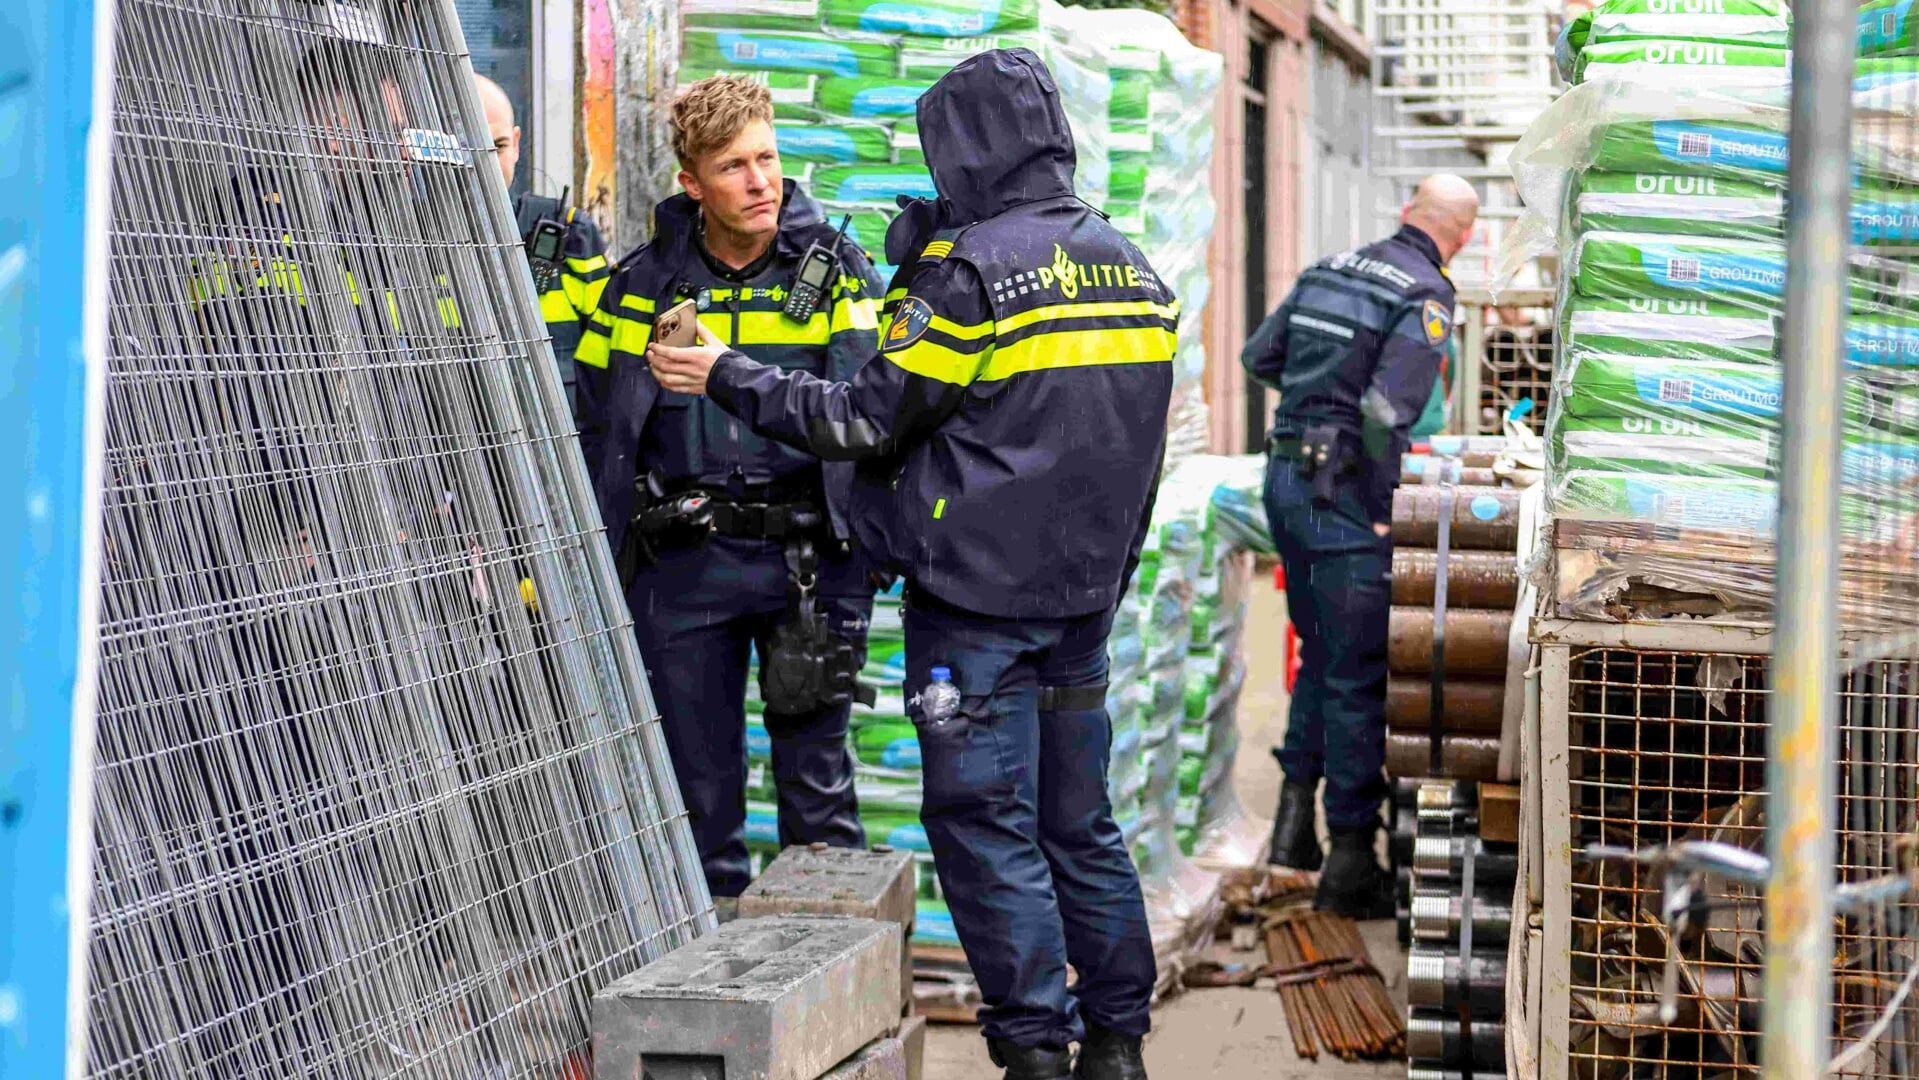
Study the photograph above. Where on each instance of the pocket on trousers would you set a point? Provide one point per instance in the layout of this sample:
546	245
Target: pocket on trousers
962	761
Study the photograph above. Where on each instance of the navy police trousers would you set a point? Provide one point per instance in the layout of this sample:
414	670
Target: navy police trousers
696	612
1030	861
1339	594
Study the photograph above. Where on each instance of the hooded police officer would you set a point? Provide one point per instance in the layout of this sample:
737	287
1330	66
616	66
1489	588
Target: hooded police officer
1354	352
1010	434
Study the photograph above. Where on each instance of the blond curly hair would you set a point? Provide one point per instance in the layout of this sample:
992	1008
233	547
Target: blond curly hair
711	113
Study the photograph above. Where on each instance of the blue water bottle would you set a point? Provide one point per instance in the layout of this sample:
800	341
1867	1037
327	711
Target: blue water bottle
940	701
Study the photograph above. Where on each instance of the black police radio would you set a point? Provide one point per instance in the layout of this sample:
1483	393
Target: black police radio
546	247
818	267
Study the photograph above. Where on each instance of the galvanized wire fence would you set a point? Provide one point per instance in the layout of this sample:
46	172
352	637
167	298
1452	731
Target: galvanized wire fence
379	788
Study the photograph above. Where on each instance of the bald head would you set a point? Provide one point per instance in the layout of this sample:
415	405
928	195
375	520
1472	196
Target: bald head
499	124
1443	207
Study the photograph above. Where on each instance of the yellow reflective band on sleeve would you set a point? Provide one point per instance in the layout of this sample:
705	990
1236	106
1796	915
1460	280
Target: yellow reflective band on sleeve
586	265
939	509
600	319
637	303
557	307
934	361
895	296
584	294
855	315
593	350
960	333
1080	348
1091	310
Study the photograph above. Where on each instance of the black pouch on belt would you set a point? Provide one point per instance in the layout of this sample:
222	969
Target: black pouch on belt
661	523
1322	458
806	665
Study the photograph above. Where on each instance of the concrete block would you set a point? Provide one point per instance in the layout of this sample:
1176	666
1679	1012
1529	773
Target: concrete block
913	1036
778	998
821	880
899	1056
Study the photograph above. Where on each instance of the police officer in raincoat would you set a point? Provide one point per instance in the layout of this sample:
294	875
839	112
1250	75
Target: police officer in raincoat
1009	434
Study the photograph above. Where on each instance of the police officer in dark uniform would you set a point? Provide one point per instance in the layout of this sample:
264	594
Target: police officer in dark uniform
728	540
1354	351
563	246
1010	434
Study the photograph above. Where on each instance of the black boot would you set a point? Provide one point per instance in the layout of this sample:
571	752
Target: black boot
1353	883
1030	1062
1108	1055
1295	836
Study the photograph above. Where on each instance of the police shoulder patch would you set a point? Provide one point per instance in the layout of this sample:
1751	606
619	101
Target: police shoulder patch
910	321
1437	321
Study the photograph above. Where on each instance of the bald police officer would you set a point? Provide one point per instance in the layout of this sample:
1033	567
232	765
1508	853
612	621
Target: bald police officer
563	246
1354	352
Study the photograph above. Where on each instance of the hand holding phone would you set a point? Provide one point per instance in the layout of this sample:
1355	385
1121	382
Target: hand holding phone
679	327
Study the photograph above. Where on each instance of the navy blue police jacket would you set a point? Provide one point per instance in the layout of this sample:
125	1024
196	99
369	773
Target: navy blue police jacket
570	291
1011	429
1358	344
630	425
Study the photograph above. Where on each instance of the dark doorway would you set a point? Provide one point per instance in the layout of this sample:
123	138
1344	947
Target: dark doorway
1259	47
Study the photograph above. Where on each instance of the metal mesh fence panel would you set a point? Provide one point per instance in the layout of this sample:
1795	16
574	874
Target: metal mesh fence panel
1670	747
379	788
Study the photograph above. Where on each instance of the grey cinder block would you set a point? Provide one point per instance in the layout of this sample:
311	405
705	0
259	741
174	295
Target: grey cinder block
899	1056
776	998
822	880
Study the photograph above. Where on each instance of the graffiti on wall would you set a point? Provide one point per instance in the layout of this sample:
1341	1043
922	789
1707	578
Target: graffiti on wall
597	165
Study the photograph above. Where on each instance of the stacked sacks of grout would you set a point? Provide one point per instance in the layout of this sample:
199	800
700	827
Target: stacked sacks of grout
1669	213
846	76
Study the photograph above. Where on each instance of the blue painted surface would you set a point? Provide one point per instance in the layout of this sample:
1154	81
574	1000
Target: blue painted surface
46	73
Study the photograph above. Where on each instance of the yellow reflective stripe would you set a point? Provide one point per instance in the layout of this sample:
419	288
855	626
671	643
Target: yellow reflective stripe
601	319
587	265
960	333
584	294
935	361
938	249
774	328
1080	348
556	306
855	315
895	296
636	303
1091	309
629	336
593	350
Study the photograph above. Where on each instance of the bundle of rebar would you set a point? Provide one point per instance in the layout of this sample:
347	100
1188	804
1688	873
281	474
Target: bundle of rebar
1335	1000
378	789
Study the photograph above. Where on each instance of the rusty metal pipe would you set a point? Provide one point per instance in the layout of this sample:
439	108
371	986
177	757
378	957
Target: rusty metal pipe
1476	641
1471	705
1484	518
1462	757
1474	579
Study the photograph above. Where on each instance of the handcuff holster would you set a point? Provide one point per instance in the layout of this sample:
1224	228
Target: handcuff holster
806	665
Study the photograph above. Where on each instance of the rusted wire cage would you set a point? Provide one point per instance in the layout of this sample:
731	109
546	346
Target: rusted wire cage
1670	744
1515	364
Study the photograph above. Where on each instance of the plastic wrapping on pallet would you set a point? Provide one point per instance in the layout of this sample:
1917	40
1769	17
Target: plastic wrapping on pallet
1664	201
1761	23
846	76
